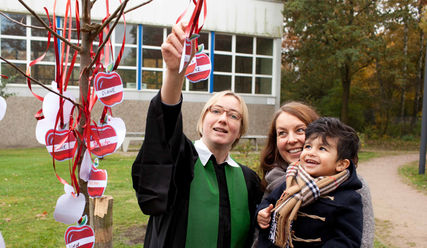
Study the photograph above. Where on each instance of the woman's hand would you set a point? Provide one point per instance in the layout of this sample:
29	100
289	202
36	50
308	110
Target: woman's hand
172	47
264	217
171	52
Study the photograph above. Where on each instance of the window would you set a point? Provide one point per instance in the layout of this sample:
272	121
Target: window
14	77
10	28
43	73
263	85
223	63
152	58
264	46
244	44
127	68
131	34
243	64
199	86
152	36
13	49
223	42
243	84
152	62
222	83
38	48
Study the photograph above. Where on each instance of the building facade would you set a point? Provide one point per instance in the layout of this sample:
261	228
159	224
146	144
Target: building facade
241	37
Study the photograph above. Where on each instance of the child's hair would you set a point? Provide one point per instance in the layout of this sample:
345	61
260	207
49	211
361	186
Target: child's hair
329	127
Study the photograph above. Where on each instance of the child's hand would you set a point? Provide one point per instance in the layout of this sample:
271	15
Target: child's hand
264	217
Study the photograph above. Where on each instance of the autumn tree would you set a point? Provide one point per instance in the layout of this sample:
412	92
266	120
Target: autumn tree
335	41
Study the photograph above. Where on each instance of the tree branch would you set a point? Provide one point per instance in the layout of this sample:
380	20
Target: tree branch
92	3
138	6
38	82
121	10
20	23
28	26
112	16
75	47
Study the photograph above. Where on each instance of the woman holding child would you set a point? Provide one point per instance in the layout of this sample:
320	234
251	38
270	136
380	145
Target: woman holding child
286	138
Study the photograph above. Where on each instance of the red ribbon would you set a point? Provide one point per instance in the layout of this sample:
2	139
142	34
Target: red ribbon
38	115
193	24
64	69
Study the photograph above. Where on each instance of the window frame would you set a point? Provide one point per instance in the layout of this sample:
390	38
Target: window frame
138	68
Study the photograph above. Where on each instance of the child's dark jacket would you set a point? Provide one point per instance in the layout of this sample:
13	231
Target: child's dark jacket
331	221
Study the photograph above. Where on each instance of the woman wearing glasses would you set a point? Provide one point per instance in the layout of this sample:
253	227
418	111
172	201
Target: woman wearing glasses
195	193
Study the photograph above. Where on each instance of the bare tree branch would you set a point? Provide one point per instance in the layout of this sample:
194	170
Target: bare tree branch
121	10
20	23
38	82
28	26
75	47
138	6
92	3
112	16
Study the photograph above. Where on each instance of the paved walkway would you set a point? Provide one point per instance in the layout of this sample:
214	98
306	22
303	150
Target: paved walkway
400	210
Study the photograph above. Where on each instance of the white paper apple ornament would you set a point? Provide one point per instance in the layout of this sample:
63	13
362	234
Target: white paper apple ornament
69	208
51	106
3	106
119	126
2	244
42	127
86	166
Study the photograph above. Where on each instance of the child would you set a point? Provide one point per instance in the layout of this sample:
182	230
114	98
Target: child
317	205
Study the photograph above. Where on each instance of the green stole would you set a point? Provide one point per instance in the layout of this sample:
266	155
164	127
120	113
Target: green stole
203	210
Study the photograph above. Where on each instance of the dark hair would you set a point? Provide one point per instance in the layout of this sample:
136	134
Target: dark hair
270	156
329	127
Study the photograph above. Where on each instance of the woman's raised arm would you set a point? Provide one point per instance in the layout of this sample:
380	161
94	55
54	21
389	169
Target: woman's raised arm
171	52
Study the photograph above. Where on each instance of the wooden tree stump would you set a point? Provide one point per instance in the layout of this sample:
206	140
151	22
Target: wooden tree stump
101	220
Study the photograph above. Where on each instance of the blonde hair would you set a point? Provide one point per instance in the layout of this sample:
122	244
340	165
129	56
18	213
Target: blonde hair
213	100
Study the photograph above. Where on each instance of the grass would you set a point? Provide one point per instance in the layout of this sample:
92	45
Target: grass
412	176
378	244
29	190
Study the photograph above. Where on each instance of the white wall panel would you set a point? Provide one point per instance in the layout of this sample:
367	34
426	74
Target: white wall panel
252	17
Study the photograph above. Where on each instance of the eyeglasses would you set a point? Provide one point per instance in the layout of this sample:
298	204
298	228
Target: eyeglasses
231	114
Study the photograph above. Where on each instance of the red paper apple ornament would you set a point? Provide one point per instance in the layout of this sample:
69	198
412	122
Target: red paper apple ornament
97	182
103	140
60	144
202	69
109	88
81	236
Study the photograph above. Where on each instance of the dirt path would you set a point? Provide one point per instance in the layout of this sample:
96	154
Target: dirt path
400	210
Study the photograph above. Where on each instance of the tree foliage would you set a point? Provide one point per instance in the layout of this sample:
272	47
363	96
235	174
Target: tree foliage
358	60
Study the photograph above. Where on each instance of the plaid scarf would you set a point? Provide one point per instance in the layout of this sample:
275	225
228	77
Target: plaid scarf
301	190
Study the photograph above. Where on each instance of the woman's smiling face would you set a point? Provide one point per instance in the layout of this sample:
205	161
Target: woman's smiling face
290	133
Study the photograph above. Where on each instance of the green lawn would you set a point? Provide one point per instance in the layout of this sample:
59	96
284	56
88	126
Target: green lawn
411	174
29	190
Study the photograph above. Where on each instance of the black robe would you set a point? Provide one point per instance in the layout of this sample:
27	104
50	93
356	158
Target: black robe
162	174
